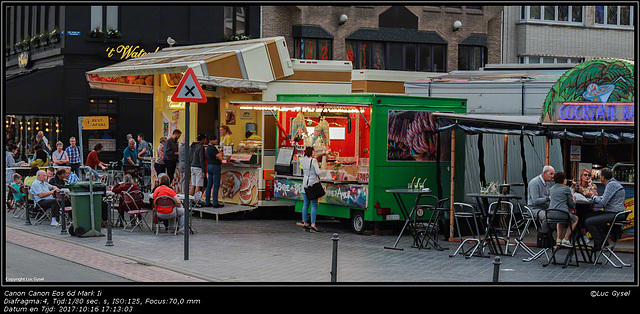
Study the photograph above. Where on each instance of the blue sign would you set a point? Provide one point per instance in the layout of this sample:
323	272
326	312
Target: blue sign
73	33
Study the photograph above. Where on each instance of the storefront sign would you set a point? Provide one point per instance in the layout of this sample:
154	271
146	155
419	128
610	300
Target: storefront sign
124	52
597	112
95	123
342	194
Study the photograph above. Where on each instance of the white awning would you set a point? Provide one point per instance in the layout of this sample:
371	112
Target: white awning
239	64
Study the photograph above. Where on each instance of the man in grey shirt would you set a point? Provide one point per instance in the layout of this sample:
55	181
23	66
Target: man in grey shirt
538	194
612	202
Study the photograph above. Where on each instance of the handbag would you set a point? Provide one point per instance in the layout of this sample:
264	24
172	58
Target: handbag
316	190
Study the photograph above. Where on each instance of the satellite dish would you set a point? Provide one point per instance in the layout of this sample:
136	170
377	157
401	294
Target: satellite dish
170	41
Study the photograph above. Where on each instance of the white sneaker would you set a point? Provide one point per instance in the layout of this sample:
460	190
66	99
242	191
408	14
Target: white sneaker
558	242
54	222
587	240
566	243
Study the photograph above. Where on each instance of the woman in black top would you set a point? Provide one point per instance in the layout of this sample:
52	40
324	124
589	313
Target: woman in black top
214	171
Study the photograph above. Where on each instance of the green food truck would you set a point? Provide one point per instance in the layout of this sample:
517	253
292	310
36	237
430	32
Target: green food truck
366	144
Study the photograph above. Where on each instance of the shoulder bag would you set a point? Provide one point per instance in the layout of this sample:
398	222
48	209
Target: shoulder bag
316	190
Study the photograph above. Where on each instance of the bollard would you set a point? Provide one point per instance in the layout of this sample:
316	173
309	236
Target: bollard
109	219
63	217
496	268
334	259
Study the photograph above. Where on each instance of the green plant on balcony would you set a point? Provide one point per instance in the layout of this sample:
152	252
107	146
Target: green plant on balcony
35	41
96	33
22	45
114	34
54	35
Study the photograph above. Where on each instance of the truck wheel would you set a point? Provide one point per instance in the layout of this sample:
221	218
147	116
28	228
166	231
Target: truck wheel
357	221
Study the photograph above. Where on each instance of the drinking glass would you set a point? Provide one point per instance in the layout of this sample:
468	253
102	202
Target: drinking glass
416	184
409	186
422	184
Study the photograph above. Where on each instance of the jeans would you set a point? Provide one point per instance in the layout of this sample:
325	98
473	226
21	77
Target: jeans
213	180
176	211
305	207
170	166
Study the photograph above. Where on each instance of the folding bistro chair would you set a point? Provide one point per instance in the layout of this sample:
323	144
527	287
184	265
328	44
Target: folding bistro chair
527	216
429	234
133	207
164	201
564	218
467	211
615	231
40	213
18	206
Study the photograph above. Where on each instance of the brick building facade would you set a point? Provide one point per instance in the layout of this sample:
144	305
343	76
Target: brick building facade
416	34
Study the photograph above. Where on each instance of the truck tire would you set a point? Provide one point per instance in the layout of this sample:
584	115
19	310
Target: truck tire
357	221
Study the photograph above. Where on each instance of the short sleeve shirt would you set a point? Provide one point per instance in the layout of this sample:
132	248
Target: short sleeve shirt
38	187
164	190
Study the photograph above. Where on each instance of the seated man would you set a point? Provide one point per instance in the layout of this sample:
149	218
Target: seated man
538	195
169	213
612	202
59	179
42	193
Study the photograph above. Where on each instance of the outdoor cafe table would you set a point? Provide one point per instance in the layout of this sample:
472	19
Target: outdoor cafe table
491	234
397	194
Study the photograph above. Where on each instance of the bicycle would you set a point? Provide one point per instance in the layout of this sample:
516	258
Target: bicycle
114	174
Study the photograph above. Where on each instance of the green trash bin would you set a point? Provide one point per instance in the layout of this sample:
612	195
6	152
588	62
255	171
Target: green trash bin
81	196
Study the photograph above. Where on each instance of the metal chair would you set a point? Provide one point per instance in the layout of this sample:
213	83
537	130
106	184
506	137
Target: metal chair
131	202
563	217
505	212
527	216
164	201
428	235
40	213
619	220
18	206
467	211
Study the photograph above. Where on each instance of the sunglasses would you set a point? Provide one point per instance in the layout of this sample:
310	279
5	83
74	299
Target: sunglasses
586	175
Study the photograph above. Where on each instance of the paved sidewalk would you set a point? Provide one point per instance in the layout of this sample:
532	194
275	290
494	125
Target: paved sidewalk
239	249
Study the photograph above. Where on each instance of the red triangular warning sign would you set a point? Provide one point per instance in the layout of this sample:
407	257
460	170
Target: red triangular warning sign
189	89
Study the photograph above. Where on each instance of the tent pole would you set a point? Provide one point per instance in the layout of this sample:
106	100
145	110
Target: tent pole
546	151
504	162
453	168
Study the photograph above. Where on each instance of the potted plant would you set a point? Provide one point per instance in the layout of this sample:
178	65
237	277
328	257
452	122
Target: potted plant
114	34
96	33
54	35
35	41
44	39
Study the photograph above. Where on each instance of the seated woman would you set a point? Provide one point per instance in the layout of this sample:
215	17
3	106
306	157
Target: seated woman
560	198
169	213
586	188
31	176
125	186
41	158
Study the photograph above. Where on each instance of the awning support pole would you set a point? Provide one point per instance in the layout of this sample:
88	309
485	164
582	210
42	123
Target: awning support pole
453	170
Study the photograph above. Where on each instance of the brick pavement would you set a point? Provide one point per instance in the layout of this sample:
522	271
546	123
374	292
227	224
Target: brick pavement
239	250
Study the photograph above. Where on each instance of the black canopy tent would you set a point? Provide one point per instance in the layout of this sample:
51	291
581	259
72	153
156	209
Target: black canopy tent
528	126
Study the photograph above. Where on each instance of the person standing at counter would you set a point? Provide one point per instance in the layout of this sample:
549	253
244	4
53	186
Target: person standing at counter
311	173
214	172
171	153
225	136
159	164
197	164
612	202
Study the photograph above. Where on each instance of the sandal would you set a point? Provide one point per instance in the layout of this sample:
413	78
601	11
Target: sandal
305	227
313	229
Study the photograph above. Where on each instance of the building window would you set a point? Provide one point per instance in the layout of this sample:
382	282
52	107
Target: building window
103	106
313	48
104	17
614	15
396	56
538	59
471	57
552	14
235	21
